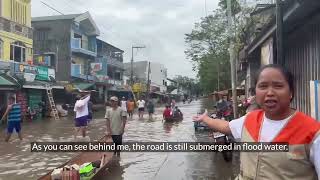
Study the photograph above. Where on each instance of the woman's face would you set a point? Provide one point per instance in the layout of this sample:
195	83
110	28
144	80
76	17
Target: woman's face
272	92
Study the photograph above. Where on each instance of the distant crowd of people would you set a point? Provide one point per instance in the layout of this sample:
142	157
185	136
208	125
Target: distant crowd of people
116	115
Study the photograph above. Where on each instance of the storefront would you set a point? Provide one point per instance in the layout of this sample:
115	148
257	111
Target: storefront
33	94
37	94
7	88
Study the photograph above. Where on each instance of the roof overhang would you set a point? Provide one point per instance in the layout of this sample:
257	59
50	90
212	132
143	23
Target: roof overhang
87	23
294	11
41	87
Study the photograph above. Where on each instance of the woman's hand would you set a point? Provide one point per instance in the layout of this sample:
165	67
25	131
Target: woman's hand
202	117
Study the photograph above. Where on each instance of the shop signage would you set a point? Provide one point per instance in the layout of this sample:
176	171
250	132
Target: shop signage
95	67
42	73
24	68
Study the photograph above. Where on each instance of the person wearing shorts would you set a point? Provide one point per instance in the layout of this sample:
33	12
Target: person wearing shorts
116	121
124	105
14	118
141	103
130	107
81	109
90	111
150	108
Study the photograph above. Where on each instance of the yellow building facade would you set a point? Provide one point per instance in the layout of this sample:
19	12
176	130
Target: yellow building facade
16	33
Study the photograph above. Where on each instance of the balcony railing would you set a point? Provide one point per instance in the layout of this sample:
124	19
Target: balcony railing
16	28
77	45
112	61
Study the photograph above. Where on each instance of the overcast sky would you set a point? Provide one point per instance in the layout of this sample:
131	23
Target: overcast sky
160	25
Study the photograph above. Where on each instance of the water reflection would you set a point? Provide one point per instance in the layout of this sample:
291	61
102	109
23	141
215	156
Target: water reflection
167	126
19	163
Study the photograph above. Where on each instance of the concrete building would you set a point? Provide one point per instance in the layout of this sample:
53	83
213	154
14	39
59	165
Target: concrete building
110	76
15	31
19	75
301	37
67	43
157	77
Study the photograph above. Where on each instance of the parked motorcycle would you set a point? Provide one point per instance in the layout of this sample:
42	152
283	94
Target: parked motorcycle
222	139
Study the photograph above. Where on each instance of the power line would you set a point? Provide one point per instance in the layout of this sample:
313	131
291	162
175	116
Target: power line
51	7
103	27
69	5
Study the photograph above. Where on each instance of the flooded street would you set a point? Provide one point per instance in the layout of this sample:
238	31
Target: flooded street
17	162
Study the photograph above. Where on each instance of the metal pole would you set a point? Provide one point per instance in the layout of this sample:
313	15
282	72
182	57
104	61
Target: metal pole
232	62
57	59
134	47
131	77
148	83
218	76
280	57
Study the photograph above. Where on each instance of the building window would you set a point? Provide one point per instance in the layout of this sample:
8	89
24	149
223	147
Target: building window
42	35
18	52
18	12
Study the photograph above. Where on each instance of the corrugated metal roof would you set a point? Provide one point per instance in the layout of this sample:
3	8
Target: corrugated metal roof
52	18
5	82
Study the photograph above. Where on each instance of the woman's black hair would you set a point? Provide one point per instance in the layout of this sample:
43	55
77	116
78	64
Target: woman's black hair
287	75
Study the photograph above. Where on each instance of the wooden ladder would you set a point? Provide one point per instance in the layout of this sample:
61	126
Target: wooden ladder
53	108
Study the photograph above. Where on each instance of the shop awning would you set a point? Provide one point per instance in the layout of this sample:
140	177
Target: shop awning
6	84
84	86
41	85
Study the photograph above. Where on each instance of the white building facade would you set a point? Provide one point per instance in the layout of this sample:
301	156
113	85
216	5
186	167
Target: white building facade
157	75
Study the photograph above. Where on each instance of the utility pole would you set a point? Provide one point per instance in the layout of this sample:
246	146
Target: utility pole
218	76
133	47
148	83
232	61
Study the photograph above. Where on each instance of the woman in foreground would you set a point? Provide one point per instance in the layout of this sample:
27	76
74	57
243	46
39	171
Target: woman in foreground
275	122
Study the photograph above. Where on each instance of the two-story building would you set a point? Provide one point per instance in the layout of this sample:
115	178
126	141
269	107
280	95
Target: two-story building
112	72
68	44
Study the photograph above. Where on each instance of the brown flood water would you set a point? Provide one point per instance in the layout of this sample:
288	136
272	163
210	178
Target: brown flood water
18	163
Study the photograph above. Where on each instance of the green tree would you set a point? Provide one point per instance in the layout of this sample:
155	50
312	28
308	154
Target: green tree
208	43
189	84
235	6
208	50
